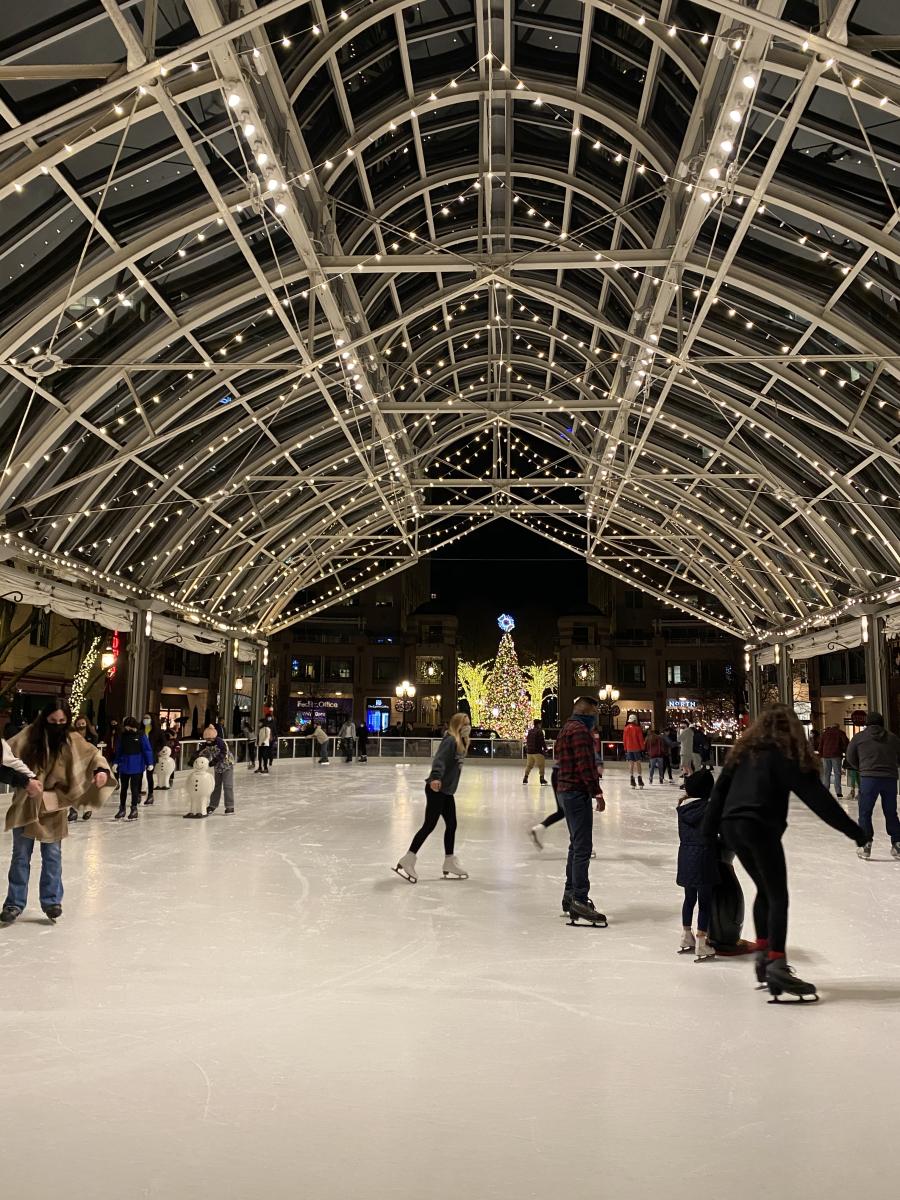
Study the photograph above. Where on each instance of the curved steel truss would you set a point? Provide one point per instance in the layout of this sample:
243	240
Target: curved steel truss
296	294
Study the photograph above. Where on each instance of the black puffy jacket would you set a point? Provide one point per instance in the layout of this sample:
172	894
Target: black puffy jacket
698	855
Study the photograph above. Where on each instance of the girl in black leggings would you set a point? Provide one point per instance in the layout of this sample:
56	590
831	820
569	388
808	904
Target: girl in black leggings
440	801
749	808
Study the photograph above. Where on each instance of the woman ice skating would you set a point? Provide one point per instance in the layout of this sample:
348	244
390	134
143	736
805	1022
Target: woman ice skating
749	806
686	749
85	729
70	771
698	865
633	743
347	736
215	751
440	792
320	737
263	746
132	760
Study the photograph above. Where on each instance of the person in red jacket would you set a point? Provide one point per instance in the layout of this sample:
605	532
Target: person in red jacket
832	748
633	741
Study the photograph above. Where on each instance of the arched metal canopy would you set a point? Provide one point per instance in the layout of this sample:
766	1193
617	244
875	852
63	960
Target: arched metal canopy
295	294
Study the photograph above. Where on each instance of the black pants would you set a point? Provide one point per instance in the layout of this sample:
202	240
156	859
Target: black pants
149	774
437	804
134	782
264	759
559	815
692	895
761	855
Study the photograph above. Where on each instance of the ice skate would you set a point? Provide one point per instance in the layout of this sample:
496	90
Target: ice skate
73	815
524	778
704	949
535	835
759	967
120	814
53	912
87	814
865	852
583	911
633	784
406	868
781	980
566	904
544	782
133	815
688	942
453	868
895	850
9	914
640	781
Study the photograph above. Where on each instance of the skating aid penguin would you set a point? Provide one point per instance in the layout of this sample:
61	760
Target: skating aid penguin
200	787
164	770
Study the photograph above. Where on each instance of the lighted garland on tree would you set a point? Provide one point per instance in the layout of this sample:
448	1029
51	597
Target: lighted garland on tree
473	685
82	675
540	678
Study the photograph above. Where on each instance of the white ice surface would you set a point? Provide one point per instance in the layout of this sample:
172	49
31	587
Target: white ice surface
255	1006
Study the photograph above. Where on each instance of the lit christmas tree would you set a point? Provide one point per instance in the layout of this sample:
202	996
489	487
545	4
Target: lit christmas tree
507	692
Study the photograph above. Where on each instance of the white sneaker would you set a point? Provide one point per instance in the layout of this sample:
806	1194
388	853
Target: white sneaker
406	867
535	833
688	942
704	949
453	868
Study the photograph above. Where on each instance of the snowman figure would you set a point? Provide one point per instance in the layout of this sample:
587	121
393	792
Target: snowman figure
164	770
200	787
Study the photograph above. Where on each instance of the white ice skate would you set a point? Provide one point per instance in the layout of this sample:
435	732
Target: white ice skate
406	867
536	833
704	949
688	942
453	868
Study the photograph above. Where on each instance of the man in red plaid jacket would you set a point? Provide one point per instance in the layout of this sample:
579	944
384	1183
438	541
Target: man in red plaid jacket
578	786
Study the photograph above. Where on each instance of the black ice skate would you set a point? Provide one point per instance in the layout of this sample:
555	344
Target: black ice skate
53	912
583	912
120	814
133	815
762	961
781	980
9	914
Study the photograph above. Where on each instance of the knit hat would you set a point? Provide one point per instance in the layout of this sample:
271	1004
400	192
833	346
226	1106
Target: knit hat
210	732
875	718
699	784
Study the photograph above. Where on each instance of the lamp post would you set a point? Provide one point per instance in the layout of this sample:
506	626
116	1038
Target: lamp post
405	692
608	709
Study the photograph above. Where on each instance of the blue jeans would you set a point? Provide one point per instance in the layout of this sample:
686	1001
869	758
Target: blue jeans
579	812
832	766
20	871
870	788
657	764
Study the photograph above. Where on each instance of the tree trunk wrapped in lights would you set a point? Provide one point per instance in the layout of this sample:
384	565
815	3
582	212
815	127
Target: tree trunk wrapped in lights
540	678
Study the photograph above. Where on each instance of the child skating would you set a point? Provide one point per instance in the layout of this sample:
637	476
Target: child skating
440	793
698	865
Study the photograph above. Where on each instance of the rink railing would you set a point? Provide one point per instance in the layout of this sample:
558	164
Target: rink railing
291	746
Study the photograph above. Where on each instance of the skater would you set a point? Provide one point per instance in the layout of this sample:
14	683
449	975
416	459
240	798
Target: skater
70	771
633	742
832	748
440	800
157	739
656	752
133	758
362	744
250	742
749	806
702	747
217	754
263	746
347	735
85	729
537	831
320	737
686	749
200	789
578	787
698	865
875	754
536	751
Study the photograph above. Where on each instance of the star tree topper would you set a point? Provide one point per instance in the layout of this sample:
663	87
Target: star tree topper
506	623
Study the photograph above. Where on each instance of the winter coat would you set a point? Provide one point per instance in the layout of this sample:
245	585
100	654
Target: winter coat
686	744
757	787
319	735
348	731
698	854
216	753
133	753
874	752
702	745
263	736
535	742
447	765
633	737
72	775
657	747
832	743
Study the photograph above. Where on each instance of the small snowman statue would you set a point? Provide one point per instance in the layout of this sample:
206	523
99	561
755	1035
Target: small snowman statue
164	770
200	788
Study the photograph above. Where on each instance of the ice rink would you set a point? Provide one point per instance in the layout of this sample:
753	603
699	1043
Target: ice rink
255	1006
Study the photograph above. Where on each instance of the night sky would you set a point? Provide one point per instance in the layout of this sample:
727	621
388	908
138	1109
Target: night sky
505	568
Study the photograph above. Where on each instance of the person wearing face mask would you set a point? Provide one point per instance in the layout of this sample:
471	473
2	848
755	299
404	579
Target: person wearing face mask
70	771
578	786
440	800
85	729
133	758
214	749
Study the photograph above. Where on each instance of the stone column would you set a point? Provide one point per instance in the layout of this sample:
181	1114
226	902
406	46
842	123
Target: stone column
877	687
785	677
138	662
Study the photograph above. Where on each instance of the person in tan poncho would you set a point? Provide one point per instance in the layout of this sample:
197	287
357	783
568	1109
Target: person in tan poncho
72	773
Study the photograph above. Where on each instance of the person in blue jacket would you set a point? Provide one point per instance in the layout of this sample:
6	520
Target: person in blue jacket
133	758
698	864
